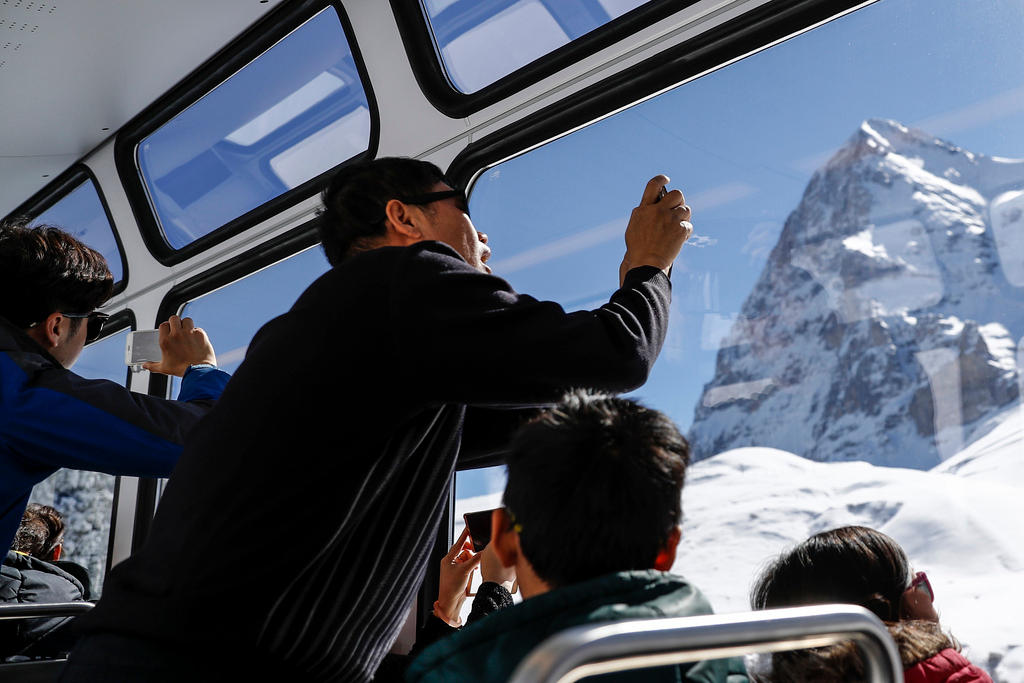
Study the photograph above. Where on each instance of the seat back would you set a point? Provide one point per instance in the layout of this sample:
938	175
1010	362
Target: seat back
626	645
37	671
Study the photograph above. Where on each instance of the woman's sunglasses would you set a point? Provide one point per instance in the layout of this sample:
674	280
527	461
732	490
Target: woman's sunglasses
920	582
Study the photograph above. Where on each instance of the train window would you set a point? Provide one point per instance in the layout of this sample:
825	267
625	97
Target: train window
294	112
85	499
845	340
81	212
481	42
476	490
231	315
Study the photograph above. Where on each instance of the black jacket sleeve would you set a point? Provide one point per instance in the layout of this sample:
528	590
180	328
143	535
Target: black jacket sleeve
486	433
477	341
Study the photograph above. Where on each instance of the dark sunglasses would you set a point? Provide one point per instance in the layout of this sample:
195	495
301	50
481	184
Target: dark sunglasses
920	581
430	197
95	325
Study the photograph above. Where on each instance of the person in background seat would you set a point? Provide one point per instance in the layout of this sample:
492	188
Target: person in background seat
30	575
590	525
860	566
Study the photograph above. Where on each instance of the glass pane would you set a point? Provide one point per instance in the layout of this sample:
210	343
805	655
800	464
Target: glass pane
846	330
231	315
483	40
297	110
81	213
85	499
477	490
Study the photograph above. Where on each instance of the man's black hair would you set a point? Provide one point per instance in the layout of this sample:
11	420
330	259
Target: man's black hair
355	197
595	485
41	530
43	269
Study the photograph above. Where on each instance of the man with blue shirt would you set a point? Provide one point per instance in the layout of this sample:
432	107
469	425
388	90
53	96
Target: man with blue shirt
50	287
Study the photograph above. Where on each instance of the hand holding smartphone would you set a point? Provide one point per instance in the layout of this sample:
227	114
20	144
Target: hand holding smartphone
479	525
142	346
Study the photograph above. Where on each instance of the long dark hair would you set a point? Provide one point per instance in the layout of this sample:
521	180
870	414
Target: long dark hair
851	564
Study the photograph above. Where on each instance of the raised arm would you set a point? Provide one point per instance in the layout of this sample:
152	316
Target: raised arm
65	420
481	343
657	228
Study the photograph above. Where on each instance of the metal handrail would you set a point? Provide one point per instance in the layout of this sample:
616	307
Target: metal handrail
31	610
624	645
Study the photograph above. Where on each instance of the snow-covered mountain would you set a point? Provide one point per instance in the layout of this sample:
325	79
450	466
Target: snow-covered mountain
884	325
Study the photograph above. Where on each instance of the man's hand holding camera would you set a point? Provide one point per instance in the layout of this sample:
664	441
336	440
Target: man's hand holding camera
657	229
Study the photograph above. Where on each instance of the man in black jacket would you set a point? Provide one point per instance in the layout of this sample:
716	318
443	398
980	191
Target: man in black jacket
356	401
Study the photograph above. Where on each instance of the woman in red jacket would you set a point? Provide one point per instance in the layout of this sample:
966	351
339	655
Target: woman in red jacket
861	566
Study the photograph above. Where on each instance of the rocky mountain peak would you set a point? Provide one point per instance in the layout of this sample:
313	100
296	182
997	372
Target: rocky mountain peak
882	327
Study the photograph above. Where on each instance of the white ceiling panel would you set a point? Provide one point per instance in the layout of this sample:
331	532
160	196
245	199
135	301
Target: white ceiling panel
74	71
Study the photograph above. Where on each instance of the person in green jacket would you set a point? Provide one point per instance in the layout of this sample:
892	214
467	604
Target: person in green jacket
590	526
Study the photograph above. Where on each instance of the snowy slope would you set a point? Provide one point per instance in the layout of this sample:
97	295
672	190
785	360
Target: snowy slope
961	524
884	325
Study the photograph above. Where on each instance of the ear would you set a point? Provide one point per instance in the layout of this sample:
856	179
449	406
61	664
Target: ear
667	555
48	333
56	552
504	538
403	221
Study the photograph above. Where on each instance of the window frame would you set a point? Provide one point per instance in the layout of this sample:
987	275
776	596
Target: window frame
428	65
752	32
252	43
119	321
59	188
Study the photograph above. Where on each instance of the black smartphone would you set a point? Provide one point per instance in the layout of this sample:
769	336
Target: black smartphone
479	525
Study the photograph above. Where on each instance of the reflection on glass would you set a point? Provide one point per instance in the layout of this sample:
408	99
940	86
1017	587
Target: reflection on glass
297	110
80	212
844	329
231	315
85	499
482	41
